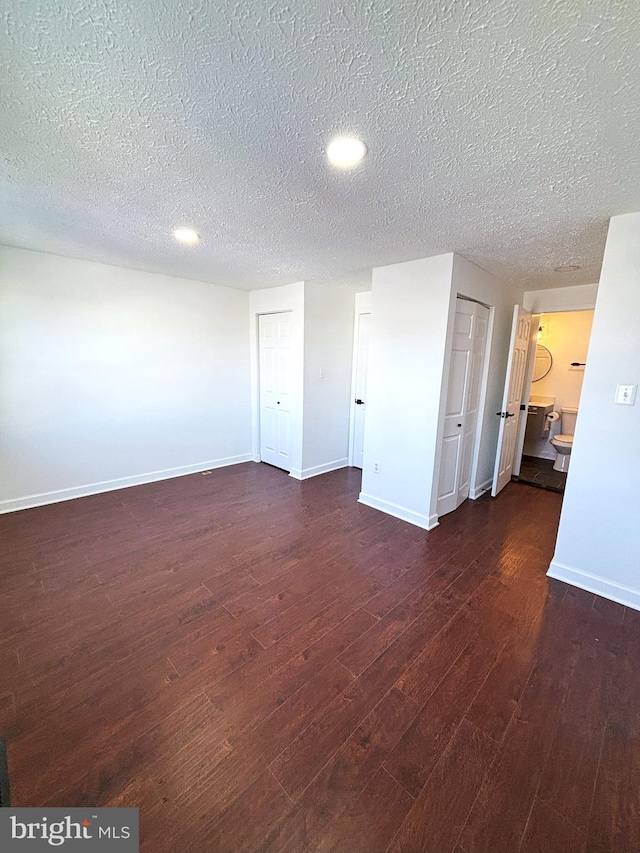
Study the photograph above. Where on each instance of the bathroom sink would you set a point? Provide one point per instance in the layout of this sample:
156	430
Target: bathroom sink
541	401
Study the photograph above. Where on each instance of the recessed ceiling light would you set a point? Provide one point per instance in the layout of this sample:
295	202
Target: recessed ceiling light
566	268
345	151
186	235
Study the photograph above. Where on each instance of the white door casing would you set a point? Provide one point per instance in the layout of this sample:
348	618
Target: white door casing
463	395
274	342
471	413
512	398
526	391
358	403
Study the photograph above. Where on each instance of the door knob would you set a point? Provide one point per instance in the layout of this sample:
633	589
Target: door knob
359	402
459	425
510	415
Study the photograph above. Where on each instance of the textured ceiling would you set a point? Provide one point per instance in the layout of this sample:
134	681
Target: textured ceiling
503	129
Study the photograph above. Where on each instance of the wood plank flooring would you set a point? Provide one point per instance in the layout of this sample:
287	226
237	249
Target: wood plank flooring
261	664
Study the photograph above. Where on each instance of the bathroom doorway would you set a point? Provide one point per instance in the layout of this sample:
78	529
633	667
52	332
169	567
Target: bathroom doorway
561	348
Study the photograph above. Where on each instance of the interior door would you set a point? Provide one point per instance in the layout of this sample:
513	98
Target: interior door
526	391
463	395
360	388
275	389
513	389
472	400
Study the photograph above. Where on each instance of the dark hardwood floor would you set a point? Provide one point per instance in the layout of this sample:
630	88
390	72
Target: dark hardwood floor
260	664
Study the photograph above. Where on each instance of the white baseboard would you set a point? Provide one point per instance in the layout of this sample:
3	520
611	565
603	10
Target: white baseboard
426	522
592	583
316	470
30	501
475	492
545	454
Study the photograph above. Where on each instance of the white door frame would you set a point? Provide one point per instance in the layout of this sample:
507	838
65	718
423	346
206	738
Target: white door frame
512	396
274	457
470	387
526	392
475	489
258	424
517	462
278	300
363	306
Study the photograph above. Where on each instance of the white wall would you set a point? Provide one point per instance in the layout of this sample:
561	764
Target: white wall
270	300
111	377
576	298
566	336
406	360
598	547
359	281
328	349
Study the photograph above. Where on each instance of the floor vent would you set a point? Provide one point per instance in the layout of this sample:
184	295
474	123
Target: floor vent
5	799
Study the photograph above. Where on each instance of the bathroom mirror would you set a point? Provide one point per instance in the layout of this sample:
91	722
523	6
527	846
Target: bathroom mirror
542	364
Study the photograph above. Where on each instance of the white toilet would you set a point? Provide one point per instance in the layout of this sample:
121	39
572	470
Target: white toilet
563	442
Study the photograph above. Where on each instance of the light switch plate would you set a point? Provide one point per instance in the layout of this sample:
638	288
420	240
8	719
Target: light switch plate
626	395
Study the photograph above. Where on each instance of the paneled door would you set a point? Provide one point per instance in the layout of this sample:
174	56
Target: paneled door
275	389
463	396
360	387
512	398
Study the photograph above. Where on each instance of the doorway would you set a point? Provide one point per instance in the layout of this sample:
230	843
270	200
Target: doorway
359	402
471	322
359	372
561	347
274	343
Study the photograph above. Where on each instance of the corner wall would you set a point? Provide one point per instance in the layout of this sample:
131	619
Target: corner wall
598	547
406	359
321	353
328	350
412	324
112	377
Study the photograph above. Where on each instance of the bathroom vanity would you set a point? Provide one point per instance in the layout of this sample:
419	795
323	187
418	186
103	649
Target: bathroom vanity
537	423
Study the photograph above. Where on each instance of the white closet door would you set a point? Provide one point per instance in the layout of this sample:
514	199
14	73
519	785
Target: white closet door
463	395
275	389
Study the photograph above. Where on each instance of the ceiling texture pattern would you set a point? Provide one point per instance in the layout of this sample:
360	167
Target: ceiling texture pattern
506	130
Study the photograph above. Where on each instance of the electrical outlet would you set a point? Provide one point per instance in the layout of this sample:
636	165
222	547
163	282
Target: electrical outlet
377	467
626	395
323	373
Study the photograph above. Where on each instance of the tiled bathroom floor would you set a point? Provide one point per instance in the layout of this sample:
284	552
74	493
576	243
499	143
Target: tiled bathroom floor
539	472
